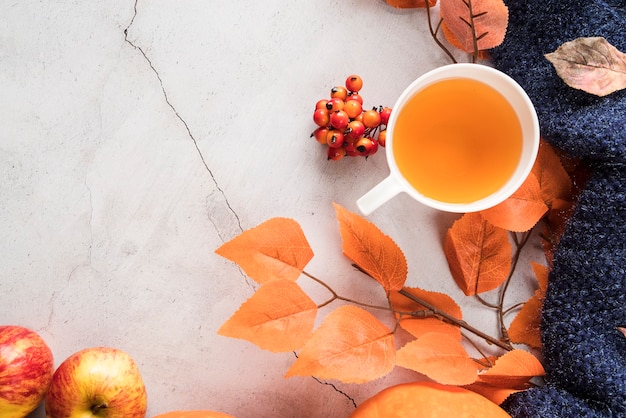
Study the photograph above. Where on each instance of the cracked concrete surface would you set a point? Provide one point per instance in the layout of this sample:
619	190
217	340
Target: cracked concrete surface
182	120
138	136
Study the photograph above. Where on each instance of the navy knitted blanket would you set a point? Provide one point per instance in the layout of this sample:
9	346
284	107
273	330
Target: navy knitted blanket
584	352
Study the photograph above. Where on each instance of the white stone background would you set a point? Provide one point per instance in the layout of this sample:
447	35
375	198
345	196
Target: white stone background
138	136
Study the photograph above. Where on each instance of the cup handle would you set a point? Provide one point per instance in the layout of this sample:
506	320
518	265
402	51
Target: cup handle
380	194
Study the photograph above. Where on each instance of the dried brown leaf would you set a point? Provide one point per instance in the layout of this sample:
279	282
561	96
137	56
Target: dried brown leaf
590	64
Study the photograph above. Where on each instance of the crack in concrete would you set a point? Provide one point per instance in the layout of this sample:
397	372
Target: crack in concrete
206	166
184	123
350	398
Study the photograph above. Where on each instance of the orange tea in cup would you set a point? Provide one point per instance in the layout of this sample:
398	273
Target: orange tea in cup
461	138
457	140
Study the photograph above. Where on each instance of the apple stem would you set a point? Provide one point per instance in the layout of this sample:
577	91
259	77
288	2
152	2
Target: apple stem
96	408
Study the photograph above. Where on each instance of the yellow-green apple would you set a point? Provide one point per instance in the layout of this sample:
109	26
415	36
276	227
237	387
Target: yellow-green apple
97	382
26	367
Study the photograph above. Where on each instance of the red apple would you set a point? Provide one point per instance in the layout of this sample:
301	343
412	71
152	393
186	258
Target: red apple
97	382
26	367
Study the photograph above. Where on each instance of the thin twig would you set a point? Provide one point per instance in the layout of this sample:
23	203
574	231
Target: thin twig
336	296
433	33
455	321
489	363
519	245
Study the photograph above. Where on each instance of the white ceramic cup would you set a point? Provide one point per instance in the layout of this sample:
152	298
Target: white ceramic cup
395	183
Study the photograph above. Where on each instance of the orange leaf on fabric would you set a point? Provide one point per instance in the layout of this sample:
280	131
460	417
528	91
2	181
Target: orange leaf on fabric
495	394
374	252
521	211
475	24
275	249
419	326
409	4
513	370
350	345
440	357
590	64
427	400
478	254
279	317
554	182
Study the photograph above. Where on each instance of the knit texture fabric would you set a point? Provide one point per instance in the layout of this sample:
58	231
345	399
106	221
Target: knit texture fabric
584	352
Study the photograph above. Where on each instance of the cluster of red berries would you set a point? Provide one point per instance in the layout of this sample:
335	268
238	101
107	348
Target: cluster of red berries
345	127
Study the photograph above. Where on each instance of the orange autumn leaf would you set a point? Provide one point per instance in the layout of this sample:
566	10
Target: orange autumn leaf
374	252
478	254
554	182
279	317
541	274
495	394
275	249
521	211
408	4
440	357
350	345
513	370
418	326
447	33
526	326
475	24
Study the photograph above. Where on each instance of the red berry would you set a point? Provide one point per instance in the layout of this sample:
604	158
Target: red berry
353	108
382	138
321	104
338	92
364	146
321	117
336	154
385	112
334	138
355	96
355	130
371	118
339	119
350	148
354	83
334	104
320	134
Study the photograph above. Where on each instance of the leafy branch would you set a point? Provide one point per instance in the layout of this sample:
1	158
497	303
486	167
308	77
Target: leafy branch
354	346
461	24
